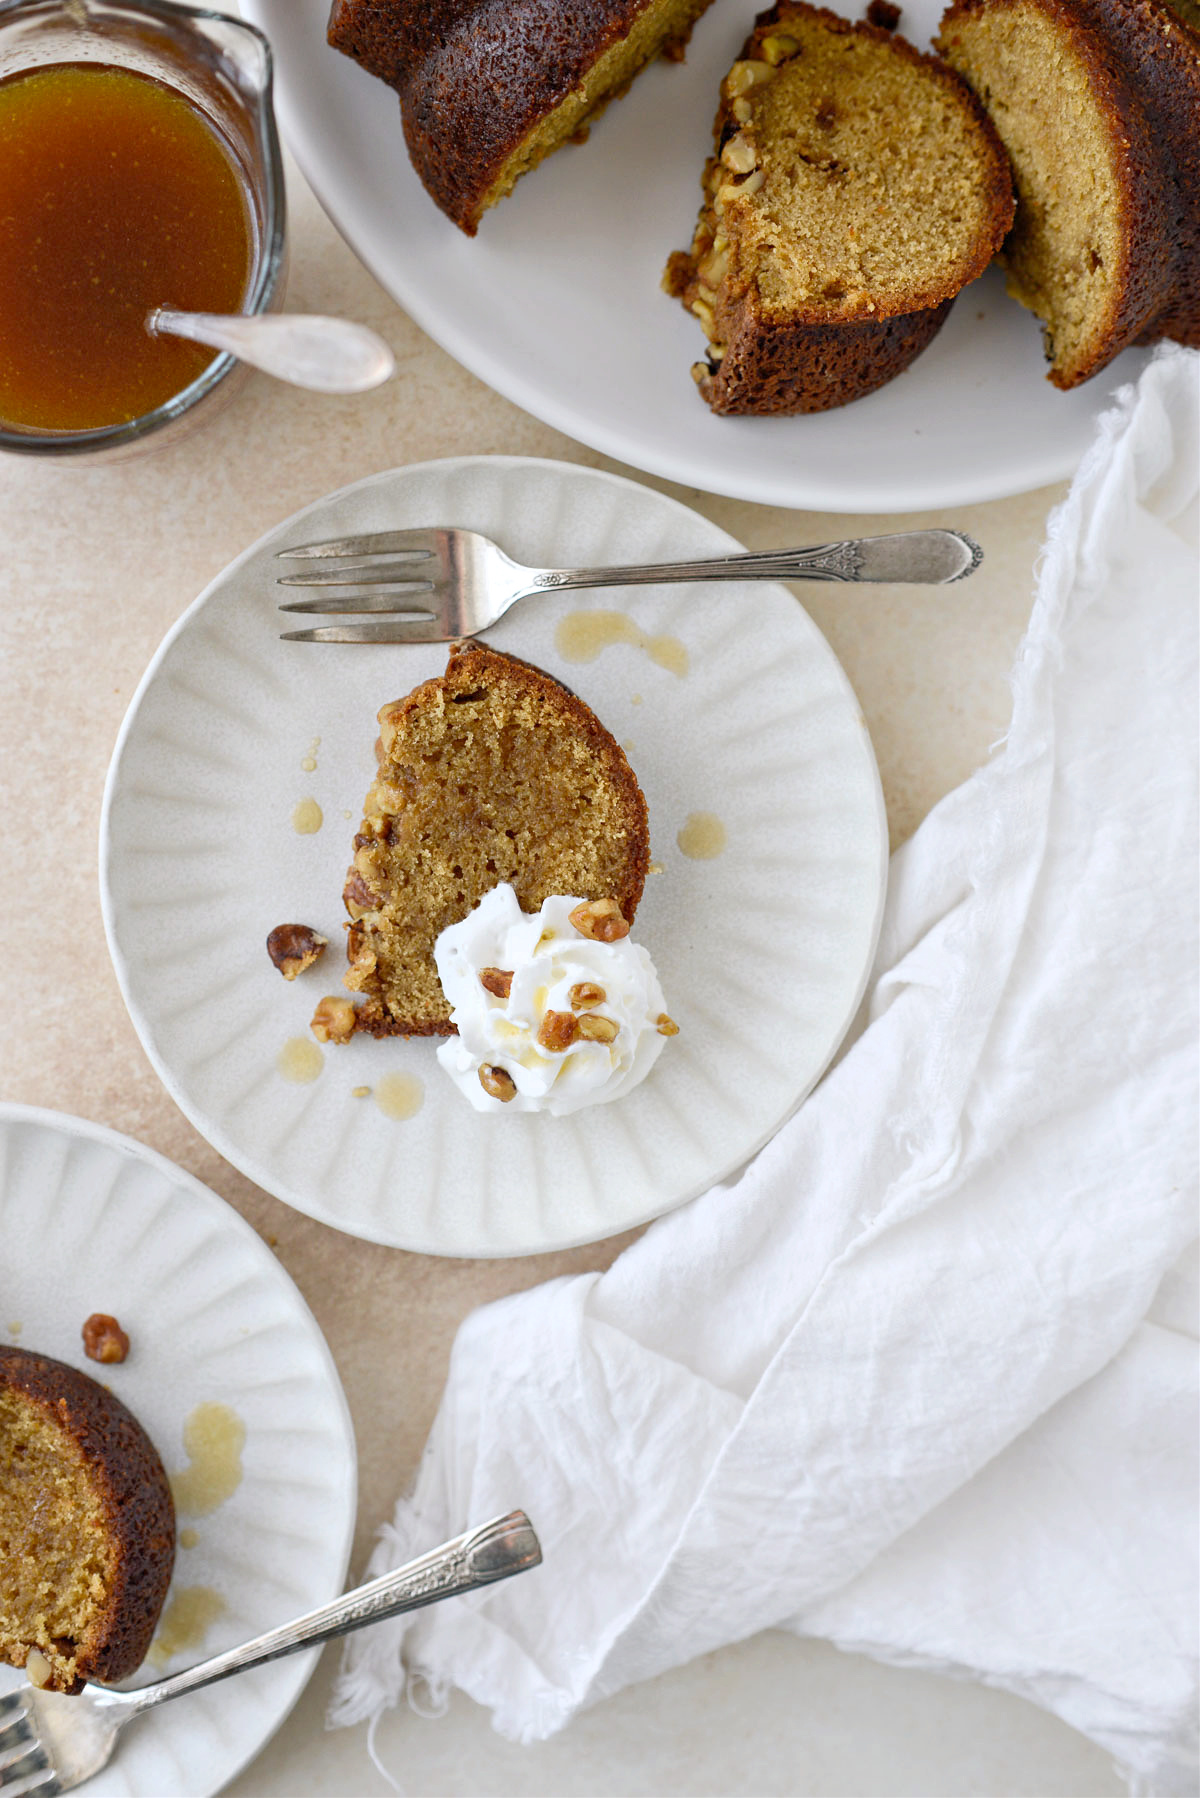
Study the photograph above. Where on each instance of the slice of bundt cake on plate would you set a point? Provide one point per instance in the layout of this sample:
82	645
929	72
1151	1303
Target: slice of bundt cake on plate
1098	105
855	188
488	88
492	772
87	1526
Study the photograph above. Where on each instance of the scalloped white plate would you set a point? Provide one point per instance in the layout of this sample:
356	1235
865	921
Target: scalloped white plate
763	951
557	304
92	1221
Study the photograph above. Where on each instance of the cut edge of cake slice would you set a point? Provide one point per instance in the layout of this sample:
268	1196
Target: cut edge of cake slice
831	243
493	771
1090	251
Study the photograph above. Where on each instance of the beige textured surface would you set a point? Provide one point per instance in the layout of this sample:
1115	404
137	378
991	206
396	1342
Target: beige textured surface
95	565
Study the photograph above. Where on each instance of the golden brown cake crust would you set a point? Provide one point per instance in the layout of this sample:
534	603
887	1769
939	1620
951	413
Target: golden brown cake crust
1160	56
476	77
815	354
774	366
1159	228
139	1513
570	818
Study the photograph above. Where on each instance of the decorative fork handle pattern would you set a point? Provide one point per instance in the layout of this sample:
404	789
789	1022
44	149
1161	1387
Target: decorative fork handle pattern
854	559
494	1551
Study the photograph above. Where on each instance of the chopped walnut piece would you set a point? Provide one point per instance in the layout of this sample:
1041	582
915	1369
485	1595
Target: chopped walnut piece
601	920
557	1031
38	1668
294	947
497	981
595	1028
666	1026
585	994
498	1082
333	1020
104	1339
357	896
883	14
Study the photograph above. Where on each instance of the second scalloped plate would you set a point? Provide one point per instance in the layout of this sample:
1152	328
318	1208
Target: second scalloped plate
235	738
92	1221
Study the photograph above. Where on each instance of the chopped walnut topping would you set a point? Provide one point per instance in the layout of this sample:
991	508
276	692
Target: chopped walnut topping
497	981
104	1339
585	994
557	1031
601	920
333	1020
357	896
595	1028
666	1026
498	1082
294	947
739	155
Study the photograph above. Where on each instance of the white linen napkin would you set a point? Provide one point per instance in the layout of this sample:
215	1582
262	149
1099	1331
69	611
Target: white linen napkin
923	1379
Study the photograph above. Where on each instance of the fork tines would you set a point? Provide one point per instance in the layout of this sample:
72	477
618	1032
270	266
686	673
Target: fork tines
377	543
24	1764
389	560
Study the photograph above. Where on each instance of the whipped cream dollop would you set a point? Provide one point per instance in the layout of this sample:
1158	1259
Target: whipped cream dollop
549	1018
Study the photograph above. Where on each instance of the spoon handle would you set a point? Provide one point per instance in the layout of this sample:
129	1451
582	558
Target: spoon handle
331	355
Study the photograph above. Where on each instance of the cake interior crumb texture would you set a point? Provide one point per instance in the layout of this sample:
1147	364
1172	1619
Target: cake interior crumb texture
488	88
57	1561
663	23
1065	254
493	772
871	198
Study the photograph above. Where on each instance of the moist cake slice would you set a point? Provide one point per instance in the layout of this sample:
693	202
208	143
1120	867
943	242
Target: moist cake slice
856	187
87	1526
492	772
1098	104
488	88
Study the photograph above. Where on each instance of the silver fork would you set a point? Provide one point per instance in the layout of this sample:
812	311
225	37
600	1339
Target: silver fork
434	585
50	1743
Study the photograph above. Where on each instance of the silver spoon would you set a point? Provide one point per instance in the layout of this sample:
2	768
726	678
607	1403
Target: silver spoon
332	355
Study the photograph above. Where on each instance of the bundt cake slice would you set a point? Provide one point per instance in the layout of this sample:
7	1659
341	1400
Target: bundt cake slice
1098	105
87	1527
856	187
488	88
492	772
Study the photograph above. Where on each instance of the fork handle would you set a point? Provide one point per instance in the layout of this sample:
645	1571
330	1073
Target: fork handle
494	1551
924	556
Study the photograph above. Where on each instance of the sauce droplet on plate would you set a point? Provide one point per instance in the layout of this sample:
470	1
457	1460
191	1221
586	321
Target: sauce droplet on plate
307	818
581	636
185	1622
400	1096
213	1439
299	1060
702	836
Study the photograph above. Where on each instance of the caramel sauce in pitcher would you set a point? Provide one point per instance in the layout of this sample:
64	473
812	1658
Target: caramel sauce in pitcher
116	196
